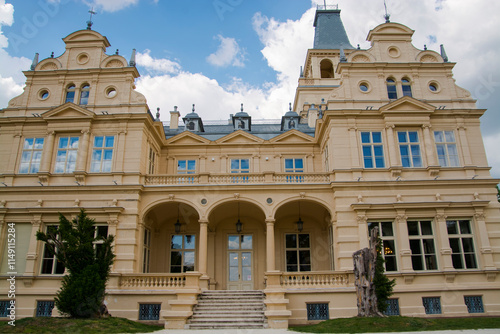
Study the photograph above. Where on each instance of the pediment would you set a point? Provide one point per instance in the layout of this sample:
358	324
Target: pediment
187	138
68	110
407	105
240	137
291	137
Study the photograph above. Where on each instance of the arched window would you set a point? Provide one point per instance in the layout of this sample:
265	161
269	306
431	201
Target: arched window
391	89
70	93
406	87
326	68
190	126
84	94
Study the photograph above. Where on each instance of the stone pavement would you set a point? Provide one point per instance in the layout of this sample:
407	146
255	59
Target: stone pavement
284	331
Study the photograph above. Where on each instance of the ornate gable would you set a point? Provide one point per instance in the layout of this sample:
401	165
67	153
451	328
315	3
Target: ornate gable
68	110
408	105
292	137
187	138
240	137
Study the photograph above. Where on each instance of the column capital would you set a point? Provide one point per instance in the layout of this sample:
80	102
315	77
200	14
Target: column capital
203	221
270	221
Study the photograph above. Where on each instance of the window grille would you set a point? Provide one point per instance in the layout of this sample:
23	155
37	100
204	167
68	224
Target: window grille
432	305
4	304
317	311
44	308
474	304
392	307
149	311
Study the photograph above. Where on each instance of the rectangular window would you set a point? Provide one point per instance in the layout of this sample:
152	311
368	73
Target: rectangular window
297	252
102	154
31	156
294	165
392	307
186	166
149	311
146	250
474	304
386	233
423	252
152	161
240	165
50	265
4	305
318	311
446	148
432	305
373	151
44	308
182	251
66	154
461	244
409	148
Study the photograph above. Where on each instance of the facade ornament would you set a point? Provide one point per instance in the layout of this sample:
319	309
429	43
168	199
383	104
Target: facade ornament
362	219
401	218
360	198
476	196
2	203
438	197
171	196
237	195
40	203
302	195
77	203
114	202
441	217
479	216
399	198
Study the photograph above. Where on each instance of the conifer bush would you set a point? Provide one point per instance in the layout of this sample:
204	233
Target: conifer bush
383	285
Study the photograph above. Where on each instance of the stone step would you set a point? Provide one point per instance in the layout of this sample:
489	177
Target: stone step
233	325
230	311
234	306
227	315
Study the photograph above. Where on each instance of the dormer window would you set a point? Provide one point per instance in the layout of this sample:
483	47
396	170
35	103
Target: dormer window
242	121
70	93
391	89
84	94
290	120
193	122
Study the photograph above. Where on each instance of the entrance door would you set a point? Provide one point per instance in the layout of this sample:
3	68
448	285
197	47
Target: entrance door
240	276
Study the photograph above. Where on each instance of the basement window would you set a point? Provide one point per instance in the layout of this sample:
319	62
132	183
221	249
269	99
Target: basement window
432	305
44	308
4	304
317	311
474	304
392	307
149	311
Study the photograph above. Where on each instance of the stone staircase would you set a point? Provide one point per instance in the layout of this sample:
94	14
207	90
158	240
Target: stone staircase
229	309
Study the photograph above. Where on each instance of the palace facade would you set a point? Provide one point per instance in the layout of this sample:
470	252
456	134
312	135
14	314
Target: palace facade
378	137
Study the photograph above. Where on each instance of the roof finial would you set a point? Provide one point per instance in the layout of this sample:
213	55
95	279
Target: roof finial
193	107
290	106
117	52
241	107
387	15
443	54
158	113
35	62
89	22
132	58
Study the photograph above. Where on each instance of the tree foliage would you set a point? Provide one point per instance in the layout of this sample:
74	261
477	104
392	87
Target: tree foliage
87	258
383	285
498	194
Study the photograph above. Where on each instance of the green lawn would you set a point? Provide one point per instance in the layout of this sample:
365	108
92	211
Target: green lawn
398	324
55	325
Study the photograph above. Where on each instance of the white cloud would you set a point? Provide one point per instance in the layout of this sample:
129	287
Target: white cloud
491	144
8	89
229	53
155	65
111	5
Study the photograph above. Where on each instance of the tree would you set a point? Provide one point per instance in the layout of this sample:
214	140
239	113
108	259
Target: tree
498	194
373	288
87	258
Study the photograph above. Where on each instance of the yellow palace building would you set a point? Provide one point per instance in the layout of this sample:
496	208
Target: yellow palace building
253	224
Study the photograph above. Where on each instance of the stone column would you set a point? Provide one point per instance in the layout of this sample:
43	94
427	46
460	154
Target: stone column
429	147
203	248
48	150
444	243
393	157
270	247
83	151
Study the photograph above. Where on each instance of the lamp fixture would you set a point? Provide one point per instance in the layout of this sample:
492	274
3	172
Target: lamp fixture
300	223
177	225
239	224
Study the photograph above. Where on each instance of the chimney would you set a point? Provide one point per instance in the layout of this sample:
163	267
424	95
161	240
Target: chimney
174	119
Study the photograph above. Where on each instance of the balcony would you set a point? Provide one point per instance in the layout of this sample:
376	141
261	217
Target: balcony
228	179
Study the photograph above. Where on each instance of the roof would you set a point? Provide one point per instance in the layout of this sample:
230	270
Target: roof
330	32
216	131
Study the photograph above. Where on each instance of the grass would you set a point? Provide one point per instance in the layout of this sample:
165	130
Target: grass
398	324
55	325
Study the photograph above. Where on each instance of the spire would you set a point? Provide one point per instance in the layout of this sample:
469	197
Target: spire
35	62
89	22
387	15
132	58
343	58
330	32
443	54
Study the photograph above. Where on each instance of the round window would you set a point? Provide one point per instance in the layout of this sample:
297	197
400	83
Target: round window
111	92
363	87
433	87
44	94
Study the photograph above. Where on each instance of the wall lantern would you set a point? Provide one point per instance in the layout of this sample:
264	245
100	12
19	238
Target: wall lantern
239	224
177	225
300	223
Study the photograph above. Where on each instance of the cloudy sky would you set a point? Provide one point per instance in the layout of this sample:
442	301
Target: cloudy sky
218	54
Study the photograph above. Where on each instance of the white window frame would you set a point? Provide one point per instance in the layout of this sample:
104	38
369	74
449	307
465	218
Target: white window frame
386	240
421	239
68	164
298	249
372	145
294	168
448	144
31	156
409	145
99	163
186	169
239	170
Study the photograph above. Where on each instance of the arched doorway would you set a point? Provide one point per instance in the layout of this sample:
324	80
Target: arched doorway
326	68
236	246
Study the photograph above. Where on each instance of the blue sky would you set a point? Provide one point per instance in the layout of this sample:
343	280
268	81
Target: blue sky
220	53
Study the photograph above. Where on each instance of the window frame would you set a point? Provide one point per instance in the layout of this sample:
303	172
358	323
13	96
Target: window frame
388	239
33	165
294	168
240	169
372	145
183	252
70	90
445	159
186	169
461	254
406	87
102	162
298	249
57	268
68	153
152	158
409	144
424	255
392	89
84	95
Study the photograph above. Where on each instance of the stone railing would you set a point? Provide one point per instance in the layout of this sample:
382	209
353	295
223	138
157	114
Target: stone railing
152	281
243	178
314	280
